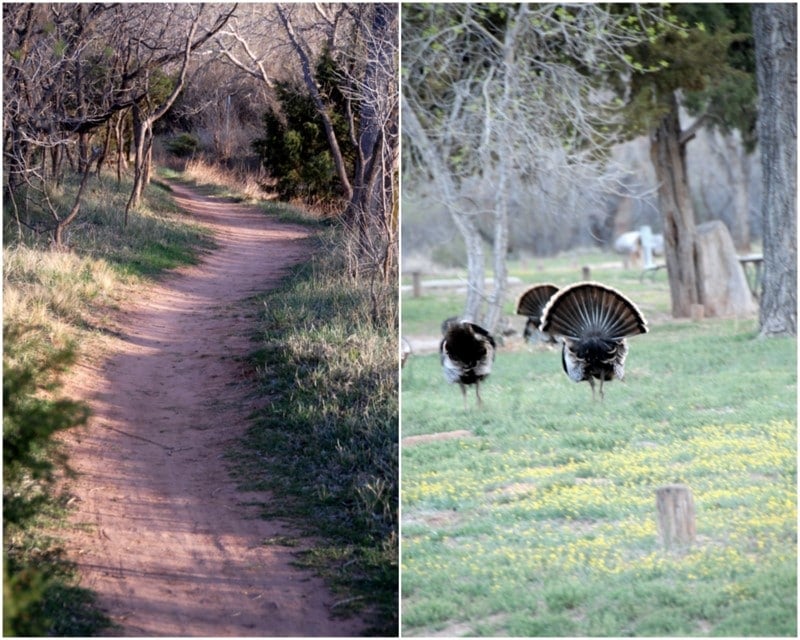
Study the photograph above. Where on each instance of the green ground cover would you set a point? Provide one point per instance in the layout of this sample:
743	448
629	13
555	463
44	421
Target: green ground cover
539	518
327	443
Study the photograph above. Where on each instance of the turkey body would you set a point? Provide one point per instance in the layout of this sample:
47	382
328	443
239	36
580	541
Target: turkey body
592	321
467	354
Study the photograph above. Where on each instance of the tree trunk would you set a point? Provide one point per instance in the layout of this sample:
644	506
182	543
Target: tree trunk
499	133
476	275
62	225
119	134
463	221
148	157
106	148
139	144
372	186
668	154
499	252
774	31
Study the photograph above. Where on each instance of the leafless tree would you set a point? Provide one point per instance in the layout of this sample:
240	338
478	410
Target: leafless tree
502	95
69	70
163	35
57	89
370	81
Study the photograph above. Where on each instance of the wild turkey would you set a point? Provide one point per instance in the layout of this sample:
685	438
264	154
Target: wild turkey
531	304
467	353
592	320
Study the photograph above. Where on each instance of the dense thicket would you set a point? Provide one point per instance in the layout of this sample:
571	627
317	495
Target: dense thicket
294	149
83	81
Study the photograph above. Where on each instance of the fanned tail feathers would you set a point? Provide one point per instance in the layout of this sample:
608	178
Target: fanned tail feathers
531	304
590	309
532	301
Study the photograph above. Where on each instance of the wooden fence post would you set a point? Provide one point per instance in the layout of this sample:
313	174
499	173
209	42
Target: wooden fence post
586	272
676	516
416	279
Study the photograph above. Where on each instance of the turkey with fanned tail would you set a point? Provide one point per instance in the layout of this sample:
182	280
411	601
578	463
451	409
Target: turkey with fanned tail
467	353
531	304
593	322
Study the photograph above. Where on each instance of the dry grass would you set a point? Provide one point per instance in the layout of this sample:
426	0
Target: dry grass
58	294
243	184
68	296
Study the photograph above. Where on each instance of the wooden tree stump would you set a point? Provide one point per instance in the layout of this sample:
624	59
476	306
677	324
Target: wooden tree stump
676	517
724	290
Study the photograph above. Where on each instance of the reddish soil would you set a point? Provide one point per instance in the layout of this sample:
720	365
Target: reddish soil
159	529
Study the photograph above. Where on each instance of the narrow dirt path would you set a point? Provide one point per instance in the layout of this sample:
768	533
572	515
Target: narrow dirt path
159	530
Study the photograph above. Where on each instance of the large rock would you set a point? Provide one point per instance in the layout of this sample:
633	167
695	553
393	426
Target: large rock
723	285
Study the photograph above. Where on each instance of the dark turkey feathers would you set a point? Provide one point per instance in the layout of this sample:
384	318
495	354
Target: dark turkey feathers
467	353
592	320
449	322
531	304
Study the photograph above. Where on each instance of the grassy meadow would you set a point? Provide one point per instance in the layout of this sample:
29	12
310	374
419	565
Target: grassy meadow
535	516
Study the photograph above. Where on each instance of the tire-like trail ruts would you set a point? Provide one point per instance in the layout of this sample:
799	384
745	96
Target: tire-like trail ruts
159	529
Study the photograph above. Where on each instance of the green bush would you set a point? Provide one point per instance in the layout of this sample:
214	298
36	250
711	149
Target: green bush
294	149
183	145
31	416
30	419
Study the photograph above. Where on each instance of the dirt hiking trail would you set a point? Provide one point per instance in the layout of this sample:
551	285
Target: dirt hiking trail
159	530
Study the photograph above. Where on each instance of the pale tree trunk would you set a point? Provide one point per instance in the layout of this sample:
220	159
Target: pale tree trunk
499	250
476	274
119	135
463	221
139	143
774	31
500	135
668	154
